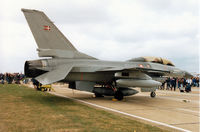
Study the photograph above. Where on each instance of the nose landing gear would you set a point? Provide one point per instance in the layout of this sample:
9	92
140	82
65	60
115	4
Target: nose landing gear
153	94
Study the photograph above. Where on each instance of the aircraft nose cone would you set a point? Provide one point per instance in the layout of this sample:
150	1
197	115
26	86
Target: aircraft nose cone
188	75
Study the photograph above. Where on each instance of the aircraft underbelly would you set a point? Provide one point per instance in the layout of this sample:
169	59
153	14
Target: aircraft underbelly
86	76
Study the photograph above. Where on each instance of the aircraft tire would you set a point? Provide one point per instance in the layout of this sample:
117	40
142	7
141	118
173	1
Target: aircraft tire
119	95
98	95
153	94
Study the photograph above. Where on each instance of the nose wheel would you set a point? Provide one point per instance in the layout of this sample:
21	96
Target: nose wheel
153	94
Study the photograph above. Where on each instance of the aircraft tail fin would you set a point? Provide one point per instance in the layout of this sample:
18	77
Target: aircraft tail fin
51	42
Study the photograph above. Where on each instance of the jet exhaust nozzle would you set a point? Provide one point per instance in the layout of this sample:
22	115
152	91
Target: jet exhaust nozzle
31	68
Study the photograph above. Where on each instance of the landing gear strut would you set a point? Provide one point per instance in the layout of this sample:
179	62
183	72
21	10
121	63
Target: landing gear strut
153	94
119	95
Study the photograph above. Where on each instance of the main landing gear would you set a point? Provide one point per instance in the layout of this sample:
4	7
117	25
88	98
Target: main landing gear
109	90
153	94
118	95
98	95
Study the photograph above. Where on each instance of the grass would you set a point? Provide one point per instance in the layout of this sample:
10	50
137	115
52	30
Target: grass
25	109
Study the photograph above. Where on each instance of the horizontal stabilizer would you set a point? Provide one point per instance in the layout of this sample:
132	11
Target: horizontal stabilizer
56	75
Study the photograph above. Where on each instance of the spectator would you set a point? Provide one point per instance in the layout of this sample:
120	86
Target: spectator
181	88
2	78
179	82
184	82
188	87
168	83
197	81
162	87
35	83
11	77
173	83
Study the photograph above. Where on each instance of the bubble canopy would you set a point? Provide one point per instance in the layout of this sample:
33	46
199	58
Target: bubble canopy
153	60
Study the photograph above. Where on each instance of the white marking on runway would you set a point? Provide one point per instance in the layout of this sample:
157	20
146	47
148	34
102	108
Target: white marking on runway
127	114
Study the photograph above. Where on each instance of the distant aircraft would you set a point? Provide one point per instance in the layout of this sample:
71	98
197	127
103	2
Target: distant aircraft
86	73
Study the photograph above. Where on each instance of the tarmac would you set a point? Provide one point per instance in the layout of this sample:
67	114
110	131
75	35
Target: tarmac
170	110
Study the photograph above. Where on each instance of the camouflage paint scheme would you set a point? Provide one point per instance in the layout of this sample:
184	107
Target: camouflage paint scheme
66	64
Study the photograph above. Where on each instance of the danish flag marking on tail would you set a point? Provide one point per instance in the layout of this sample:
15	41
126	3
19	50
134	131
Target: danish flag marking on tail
47	28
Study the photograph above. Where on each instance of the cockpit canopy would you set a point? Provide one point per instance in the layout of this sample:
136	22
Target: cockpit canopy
153	60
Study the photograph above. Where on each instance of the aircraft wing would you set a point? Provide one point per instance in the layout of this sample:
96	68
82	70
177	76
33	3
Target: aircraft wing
153	70
59	73
113	69
135	68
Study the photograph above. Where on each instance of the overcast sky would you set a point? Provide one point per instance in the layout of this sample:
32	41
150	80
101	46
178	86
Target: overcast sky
106	29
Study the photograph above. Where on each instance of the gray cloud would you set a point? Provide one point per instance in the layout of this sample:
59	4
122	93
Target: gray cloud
108	29
175	7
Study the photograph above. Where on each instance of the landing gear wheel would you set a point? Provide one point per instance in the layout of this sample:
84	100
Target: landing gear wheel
98	95
153	94
119	95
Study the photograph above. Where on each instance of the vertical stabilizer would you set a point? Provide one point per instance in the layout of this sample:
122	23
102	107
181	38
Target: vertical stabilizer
46	34
51	42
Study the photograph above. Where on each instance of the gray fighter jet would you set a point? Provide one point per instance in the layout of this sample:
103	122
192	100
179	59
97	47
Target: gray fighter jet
64	63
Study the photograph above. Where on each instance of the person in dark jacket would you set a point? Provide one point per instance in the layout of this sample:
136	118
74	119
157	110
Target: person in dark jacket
197	81
188	88
35	83
173	83
168	83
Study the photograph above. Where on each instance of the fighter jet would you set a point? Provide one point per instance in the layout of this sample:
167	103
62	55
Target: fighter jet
62	62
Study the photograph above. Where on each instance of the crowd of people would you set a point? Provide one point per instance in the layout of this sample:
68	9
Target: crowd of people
11	78
169	84
181	83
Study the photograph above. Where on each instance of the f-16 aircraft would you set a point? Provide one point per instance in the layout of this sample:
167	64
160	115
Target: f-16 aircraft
64	63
